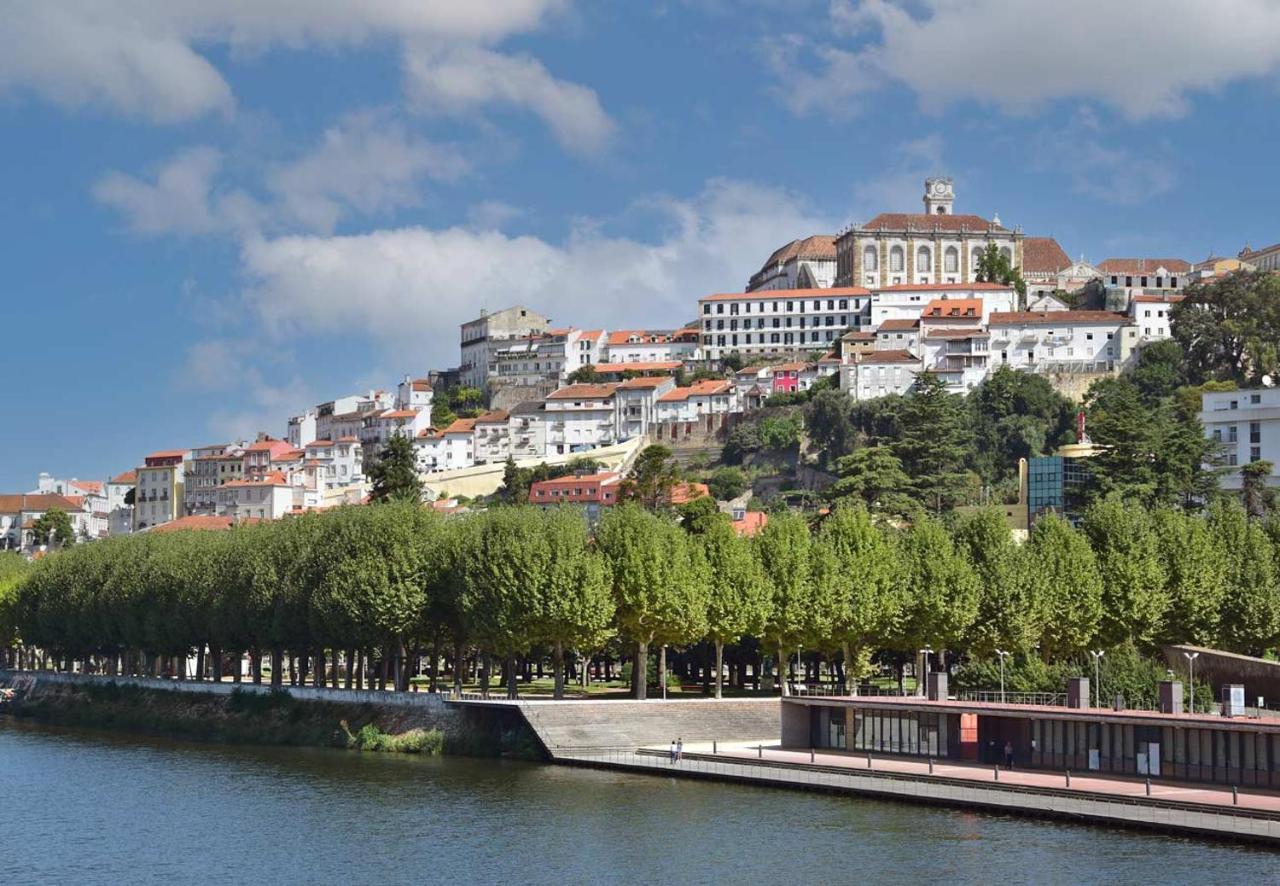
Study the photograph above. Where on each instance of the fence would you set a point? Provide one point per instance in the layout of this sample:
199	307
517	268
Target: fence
1047	699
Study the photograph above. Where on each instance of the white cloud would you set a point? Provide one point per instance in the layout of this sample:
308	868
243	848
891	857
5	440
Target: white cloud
407	289
140	57
181	200
459	78
367	164
1142	57
1109	174
221	367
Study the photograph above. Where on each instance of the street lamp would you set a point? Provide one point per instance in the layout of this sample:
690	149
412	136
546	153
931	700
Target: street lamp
1002	653
1191	678
1097	676
920	687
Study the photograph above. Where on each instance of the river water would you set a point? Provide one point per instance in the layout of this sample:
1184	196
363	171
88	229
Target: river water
89	807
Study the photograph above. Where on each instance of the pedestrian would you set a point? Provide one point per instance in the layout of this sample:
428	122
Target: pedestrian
1008	754
679	749
673	751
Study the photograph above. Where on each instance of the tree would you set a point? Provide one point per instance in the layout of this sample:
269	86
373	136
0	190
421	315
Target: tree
933	443
53	527
654	473
1068	583
1250	618
994	267
1015	415
859	570
394	473
1160	370
738	598
779	433
1127	437
873	476
699	515
727	483
1195	572
829	423
659	583
939	589
1134	596
1008	615
742	441
732	361
584	375
785	555
1257	497
1229	328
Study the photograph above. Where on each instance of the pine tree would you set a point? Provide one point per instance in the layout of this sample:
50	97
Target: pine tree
394	473
933	443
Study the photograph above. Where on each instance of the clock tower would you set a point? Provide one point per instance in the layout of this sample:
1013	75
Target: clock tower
939	195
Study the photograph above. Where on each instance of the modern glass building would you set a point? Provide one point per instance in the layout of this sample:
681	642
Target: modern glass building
1057	484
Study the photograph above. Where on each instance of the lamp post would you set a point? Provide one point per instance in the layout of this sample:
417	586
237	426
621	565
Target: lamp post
1002	653
1191	679
1097	676
921	688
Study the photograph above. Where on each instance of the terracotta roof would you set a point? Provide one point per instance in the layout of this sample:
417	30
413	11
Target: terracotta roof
12	504
894	356
604	478
946	287
400	413
898	324
682	493
952	308
1043	255
751	523
862	334
798	366
639	366
497	416
923	221
776	294
706	388
348	439
639	337
649	381
1158	299
420	384
958	333
1143	265
461	426
289	455
93	487
168	453
320	443
1053	318
269	445
270	478
583	392
202	522
128	477
820	247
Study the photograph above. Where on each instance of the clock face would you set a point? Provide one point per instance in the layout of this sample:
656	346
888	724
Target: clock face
939	188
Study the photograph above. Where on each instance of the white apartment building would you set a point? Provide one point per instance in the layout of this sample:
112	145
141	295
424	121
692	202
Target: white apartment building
636	404
302	429
120	514
580	418
779	322
158	494
898	334
880	373
648	346
936	246
19	512
549	357
527	430
87	496
702	398
1151	314
1247	424
492	442
334	463
446	449
269	497
208	468
379	426
909	302
1061	341
958	356
344	416
414	393
488	332
801	264
1145	275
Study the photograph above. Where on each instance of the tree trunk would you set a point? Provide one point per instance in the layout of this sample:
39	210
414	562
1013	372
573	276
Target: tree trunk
662	671
848	669
255	666
458	664
484	675
277	667
782	671
513	675
719	668
434	686
557	665
639	671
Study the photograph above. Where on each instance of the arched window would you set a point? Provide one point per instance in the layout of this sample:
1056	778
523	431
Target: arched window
896	259
951	260
974	258
924	262
869	258
1004	250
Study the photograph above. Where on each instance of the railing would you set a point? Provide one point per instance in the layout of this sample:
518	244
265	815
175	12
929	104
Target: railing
1047	699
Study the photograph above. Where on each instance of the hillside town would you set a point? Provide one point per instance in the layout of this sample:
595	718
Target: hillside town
869	312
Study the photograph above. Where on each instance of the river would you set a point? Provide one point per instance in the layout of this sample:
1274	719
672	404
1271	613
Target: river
91	807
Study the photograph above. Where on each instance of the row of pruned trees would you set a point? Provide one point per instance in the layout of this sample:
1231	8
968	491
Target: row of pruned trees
388	583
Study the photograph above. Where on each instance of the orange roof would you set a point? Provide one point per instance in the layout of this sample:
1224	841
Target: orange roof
93	487
706	388
168	453
946	287
1043	255
583	392
682	493
640	366
125	478
289	455
461	426
821	247
348	439
12	504
1053	318
898	324
923	221
894	356
270	478
751	523
400	413
952	308
648	381
497	416
420	384
638	337
775	294
1158	299
321	443
1143	265
790	367
199	521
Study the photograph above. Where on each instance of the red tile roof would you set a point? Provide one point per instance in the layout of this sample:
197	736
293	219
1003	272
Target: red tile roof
952	308
946	287
894	356
400	413
1158	299
819	247
648	381
898	324
583	392
639	337
705	388
751	523
12	504
682	493
923	221
1043	255
199	521
497	416
461	426
92	487
1053	318
128	477
1143	265
775	294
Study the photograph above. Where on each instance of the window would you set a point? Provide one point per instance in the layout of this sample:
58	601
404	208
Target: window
896	259
1255	432
1232	434
1255	453
869	258
1255	399
924	260
951	260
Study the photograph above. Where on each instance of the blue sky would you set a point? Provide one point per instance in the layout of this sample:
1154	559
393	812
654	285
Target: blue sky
215	215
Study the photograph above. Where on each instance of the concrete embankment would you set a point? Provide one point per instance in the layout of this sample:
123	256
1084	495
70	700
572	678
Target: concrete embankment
255	714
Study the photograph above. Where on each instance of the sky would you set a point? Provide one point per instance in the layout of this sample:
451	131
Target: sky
215	215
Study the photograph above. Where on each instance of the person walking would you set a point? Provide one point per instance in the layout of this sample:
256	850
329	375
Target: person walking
673	751
679	749
1008	754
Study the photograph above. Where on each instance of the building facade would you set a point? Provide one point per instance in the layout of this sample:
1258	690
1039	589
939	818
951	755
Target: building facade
781	323
158	497
1246	424
801	264
490	331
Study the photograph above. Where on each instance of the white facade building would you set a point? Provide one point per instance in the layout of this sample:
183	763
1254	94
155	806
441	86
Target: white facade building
636	404
492	442
702	398
1151	316
1247	424
415	394
1061	341
581	418
548	357
267	498
648	346
482	336
801	264
446	449
527	430
779	322
119	513
880	373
